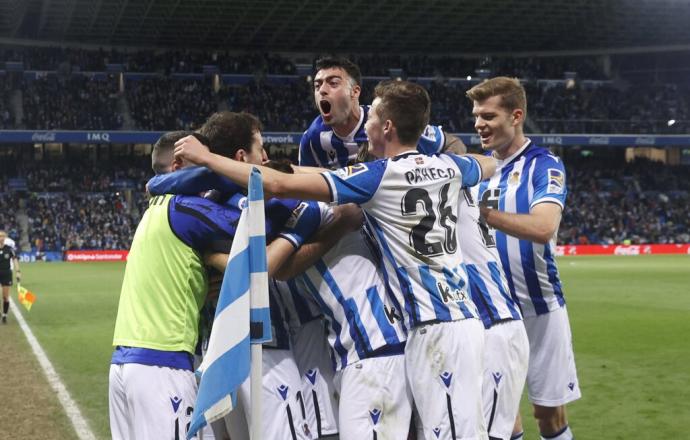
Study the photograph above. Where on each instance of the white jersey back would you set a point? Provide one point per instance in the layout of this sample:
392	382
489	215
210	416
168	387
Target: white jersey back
410	204
488	284
362	320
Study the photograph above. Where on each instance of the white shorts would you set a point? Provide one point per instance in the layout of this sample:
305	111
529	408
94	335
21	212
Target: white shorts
149	402
506	353
282	417
551	376
375	401
444	371
313	357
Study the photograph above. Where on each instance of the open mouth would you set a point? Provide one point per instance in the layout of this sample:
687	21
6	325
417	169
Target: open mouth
325	107
485	137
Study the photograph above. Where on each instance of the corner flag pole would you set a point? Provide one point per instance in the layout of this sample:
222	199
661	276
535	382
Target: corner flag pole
260	316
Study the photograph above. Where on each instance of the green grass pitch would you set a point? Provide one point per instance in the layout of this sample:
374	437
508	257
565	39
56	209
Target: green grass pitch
630	320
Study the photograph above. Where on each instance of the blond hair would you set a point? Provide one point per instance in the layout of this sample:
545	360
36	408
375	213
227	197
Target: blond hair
510	90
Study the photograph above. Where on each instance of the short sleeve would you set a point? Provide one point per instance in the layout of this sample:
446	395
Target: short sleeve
306	156
469	169
432	141
548	181
356	183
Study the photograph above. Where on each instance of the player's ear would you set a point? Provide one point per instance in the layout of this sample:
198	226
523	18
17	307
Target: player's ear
356	91
177	164
388	128
240	155
518	117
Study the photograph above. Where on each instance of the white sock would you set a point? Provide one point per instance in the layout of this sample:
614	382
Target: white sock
564	434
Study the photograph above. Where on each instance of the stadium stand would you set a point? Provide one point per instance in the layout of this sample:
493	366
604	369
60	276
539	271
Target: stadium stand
70	205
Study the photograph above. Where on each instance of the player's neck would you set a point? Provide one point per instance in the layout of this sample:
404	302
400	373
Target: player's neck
512	148
394	148
344	129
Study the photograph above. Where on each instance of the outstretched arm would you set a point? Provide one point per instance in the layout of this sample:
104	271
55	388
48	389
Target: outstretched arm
276	184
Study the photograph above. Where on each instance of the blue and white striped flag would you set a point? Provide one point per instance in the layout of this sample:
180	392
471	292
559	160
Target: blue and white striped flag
245	285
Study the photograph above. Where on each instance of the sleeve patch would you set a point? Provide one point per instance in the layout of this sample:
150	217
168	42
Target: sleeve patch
296	215
556	181
351	171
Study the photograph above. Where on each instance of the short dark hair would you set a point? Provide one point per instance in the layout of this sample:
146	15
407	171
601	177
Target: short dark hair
229	132
162	152
407	105
343	63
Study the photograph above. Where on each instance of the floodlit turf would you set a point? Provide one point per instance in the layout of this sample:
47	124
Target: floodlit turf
630	318
73	319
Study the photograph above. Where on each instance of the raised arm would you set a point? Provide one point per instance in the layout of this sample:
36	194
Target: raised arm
276	184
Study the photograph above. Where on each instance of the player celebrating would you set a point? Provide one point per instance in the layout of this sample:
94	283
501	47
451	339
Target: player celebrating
8	257
152	386
336	135
506	348
527	194
410	202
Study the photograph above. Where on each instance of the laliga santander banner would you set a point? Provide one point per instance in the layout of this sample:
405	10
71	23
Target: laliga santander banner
77	256
622	249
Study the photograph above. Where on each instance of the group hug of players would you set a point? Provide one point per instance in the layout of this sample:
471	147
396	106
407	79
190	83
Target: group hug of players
413	288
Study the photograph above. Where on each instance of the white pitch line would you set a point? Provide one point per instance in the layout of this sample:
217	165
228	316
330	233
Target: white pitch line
78	422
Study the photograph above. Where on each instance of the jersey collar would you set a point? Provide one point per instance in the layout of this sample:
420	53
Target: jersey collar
516	154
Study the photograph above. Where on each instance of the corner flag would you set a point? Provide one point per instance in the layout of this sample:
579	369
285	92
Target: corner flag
27	298
227	362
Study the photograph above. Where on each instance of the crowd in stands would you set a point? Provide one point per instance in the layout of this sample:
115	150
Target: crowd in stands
165	62
164	104
69	206
70	103
68	221
640	202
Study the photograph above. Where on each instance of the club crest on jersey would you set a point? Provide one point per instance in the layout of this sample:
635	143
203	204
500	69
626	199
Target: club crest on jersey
514	178
556	181
352	170
419	160
448	294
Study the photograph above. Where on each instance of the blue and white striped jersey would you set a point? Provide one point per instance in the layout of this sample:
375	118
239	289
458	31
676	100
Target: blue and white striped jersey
300	307
411	205
488	285
531	176
321	147
362	320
